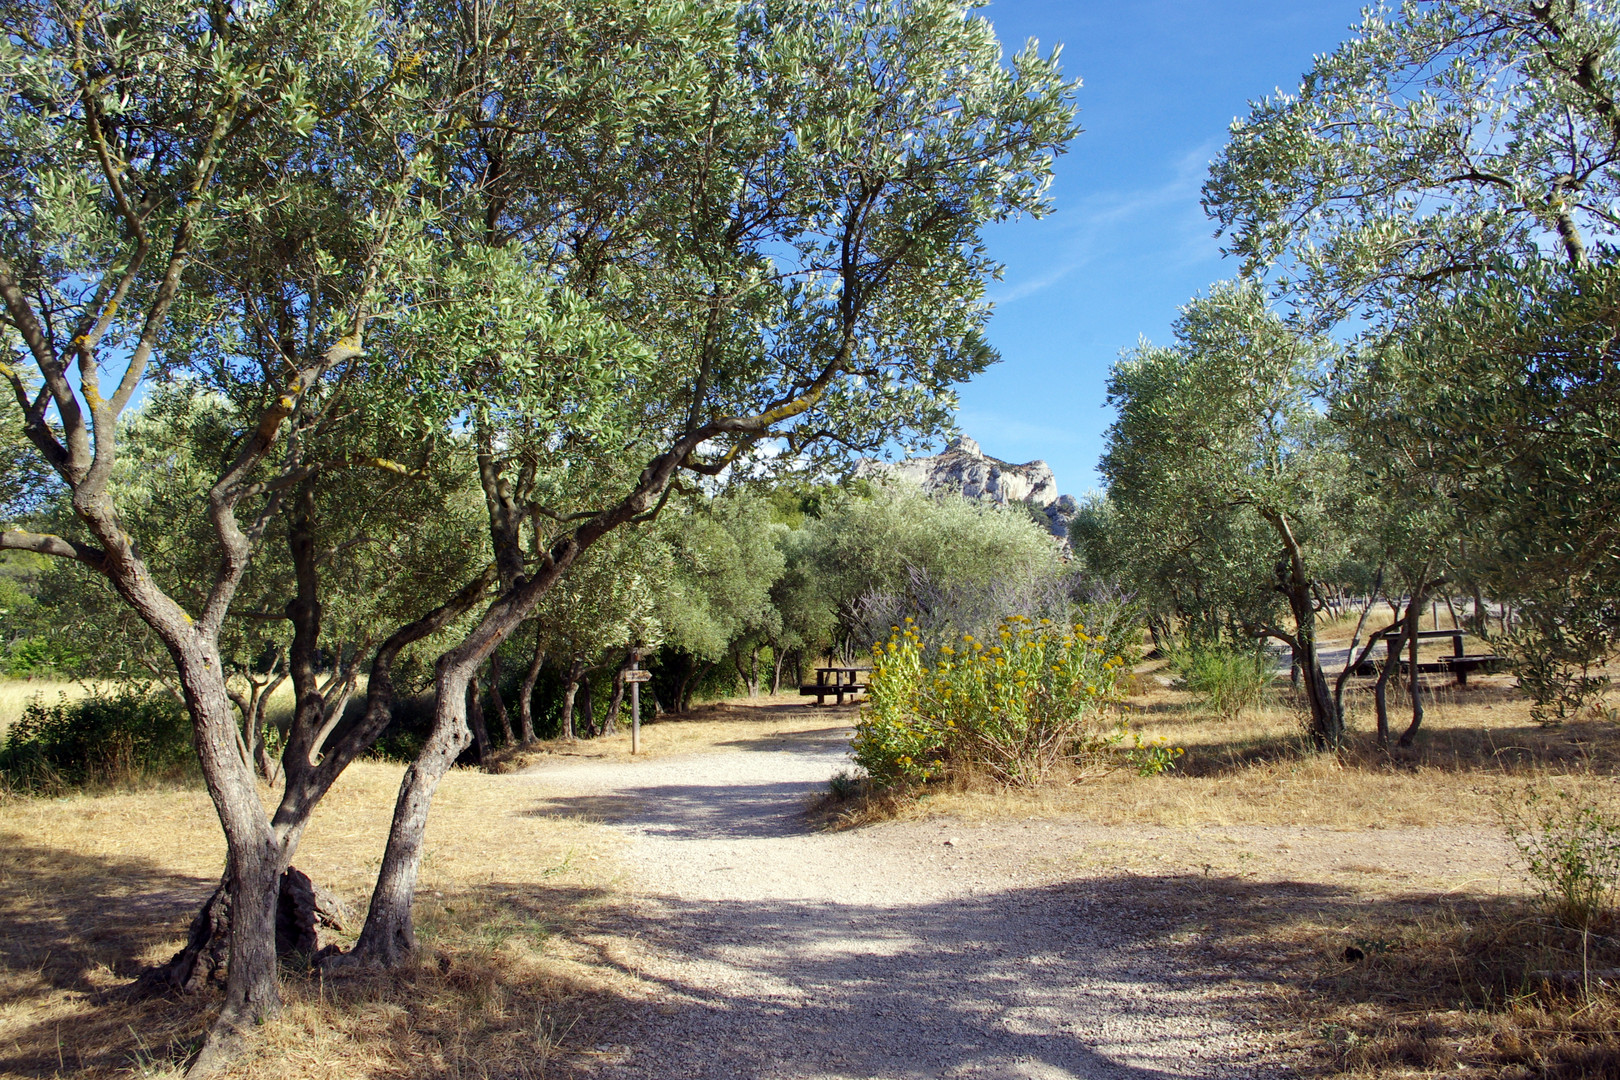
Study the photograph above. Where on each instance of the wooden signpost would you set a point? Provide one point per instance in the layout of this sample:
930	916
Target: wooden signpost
635	677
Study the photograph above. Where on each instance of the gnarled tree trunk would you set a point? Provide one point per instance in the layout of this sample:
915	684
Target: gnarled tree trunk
1327	722
475	717
530	677
576	671
584	708
1414	681
499	702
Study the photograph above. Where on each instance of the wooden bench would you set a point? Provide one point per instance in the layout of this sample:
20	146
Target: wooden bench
844	680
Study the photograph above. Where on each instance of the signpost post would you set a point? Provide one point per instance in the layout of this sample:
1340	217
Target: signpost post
635	677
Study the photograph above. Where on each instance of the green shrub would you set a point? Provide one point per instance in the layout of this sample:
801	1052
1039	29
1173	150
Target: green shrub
1226	681
1012	707
1152	756
1571	851
36	657
1559	648
115	737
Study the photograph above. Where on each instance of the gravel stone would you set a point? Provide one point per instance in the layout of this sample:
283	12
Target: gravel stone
786	953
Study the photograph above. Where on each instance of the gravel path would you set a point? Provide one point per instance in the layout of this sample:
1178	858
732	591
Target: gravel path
906	950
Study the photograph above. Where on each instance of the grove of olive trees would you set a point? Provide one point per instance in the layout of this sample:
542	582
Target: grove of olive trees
559	256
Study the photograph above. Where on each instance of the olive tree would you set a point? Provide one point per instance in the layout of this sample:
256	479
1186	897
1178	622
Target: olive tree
185	188
1441	139
1223	433
1442	184
800	261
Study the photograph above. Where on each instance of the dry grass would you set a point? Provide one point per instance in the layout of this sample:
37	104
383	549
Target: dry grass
510	906
1476	743
755	721
1383	985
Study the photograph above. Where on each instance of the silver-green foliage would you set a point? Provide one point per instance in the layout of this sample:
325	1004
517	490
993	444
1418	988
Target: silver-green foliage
1570	848
1226	680
1440	139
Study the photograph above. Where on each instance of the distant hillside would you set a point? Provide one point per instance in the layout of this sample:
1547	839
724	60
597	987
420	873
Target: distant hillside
967	470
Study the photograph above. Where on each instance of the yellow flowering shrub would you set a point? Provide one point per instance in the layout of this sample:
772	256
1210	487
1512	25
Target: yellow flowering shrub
1012	706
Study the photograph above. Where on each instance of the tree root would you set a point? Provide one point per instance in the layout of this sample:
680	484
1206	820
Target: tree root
301	909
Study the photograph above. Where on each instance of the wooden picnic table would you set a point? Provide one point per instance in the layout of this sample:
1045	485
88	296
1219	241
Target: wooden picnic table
1459	663
843	680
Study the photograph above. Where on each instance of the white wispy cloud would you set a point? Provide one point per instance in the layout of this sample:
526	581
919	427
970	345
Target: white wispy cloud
1108	223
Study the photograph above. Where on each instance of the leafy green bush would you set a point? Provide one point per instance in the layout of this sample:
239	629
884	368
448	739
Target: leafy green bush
1012	707
33	657
1226	681
1152	756
1558	647
104	738
1571	850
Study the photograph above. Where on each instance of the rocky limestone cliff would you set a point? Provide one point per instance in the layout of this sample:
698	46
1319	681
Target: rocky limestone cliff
967	470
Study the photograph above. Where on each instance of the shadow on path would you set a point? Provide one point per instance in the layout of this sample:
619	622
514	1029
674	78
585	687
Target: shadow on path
1073	980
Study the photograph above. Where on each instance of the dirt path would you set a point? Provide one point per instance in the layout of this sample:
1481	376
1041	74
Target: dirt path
932	948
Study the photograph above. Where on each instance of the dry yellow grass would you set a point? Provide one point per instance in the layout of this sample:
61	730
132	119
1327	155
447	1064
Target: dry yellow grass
93	888
1475	744
715	724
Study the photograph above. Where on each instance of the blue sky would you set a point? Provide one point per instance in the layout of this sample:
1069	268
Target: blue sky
1128	242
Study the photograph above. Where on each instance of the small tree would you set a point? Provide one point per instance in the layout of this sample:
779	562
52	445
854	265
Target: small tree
1221	436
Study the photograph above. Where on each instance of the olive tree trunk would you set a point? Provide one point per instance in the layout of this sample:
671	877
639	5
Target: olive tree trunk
530	677
498	701
576	674
1327	722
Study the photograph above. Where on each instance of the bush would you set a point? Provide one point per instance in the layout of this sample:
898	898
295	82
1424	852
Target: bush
37	657
1226	681
1557	647
131	733
1571	851
1012	708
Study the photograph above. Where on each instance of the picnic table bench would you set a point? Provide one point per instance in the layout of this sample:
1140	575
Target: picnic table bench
844	680
1459	663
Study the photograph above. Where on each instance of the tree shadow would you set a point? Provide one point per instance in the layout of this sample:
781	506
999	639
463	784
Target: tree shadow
696	811
817	739
1065	980
477	1002
68	914
76	927
1135	977
1125	976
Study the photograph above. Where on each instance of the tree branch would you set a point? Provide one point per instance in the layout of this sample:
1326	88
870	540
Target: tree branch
47	544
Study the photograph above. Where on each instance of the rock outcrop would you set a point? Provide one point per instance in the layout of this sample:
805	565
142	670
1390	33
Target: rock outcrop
967	470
